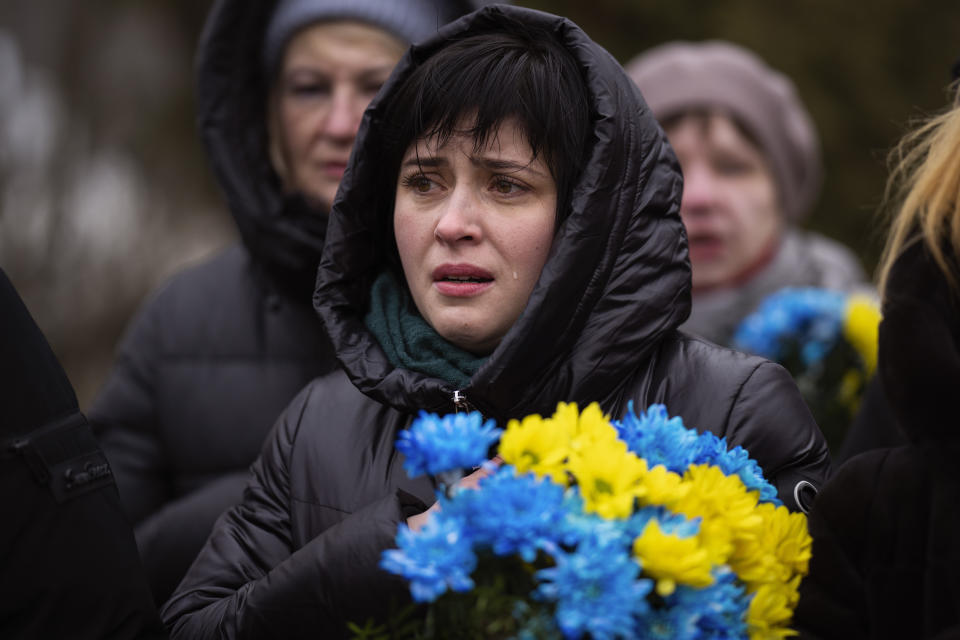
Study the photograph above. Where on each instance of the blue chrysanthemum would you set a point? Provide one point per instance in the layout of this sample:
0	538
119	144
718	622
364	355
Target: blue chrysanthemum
709	448
596	588
580	525
657	438
812	318
717	611
438	557
511	513
456	441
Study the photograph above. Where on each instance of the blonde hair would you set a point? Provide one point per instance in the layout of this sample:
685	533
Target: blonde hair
923	192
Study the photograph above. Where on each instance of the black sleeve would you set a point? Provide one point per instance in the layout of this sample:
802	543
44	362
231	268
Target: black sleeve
833	596
250	580
169	538
35	388
70	567
873	427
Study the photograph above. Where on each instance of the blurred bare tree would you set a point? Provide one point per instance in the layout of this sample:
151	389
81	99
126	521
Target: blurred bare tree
104	187
103	190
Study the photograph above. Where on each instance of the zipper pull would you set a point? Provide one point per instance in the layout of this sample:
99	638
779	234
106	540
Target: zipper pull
460	402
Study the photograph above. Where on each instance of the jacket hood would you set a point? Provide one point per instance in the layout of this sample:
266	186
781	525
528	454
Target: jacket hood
616	281
282	232
232	95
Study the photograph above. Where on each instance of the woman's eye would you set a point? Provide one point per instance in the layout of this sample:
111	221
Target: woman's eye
418	183
308	86
732	167
309	89
371	89
506	187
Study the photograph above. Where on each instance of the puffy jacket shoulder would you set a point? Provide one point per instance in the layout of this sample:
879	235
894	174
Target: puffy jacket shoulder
751	401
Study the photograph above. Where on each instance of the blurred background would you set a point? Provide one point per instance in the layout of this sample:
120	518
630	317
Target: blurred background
105	190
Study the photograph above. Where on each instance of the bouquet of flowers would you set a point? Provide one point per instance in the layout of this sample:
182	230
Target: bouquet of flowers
638	528
827	340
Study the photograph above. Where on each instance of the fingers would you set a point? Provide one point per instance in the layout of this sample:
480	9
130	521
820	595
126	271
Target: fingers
471	481
416	522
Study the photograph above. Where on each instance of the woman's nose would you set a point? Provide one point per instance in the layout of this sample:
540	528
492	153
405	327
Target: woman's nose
460	218
343	118
699	190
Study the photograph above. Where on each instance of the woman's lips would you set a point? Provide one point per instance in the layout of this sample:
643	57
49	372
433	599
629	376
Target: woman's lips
461	280
705	247
333	169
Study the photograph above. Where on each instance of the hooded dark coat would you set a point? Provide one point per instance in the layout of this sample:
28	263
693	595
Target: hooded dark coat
69	566
215	355
886	528
299	556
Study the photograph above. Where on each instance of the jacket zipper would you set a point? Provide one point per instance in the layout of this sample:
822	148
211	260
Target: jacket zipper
460	402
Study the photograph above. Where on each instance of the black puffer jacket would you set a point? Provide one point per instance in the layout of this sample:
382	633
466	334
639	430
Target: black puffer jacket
215	355
886	529
298	557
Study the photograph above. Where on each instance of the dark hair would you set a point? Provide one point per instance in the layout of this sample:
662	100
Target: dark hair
518	71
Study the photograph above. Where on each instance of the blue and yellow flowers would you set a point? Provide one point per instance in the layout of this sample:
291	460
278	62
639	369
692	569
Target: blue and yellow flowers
811	321
636	528
827	340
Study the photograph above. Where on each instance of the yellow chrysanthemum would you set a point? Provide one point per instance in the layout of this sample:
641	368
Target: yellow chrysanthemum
672	560
566	417
717	539
861	328
662	486
725	506
779	552
586	428
609	478
536	445
770	612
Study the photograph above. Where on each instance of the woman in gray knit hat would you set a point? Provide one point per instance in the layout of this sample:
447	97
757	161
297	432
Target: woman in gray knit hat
214	356
751	166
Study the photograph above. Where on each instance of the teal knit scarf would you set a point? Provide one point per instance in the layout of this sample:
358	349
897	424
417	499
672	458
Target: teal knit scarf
409	341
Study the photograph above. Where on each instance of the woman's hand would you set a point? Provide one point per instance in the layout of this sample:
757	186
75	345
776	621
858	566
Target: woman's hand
471	481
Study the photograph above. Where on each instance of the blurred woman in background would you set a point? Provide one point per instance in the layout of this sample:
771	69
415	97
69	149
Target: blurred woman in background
214	356
751	173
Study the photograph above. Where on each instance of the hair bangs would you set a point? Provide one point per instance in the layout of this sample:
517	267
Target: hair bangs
473	85
475	100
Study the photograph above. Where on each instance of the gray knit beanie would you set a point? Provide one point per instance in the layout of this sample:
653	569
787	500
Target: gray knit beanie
685	76
409	20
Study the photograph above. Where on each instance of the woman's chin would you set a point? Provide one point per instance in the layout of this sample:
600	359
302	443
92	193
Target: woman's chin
473	341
